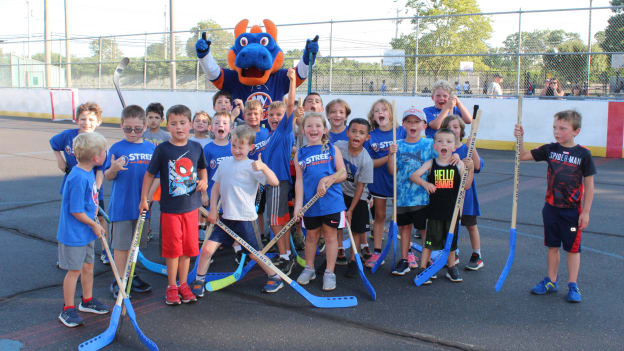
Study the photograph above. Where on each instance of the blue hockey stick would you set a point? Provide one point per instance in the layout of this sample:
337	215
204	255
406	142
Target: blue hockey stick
317	301
358	261
434	254
219	284
389	243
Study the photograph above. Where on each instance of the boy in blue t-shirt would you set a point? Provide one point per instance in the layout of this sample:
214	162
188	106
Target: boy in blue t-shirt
125	166
445	104
412	199
77	229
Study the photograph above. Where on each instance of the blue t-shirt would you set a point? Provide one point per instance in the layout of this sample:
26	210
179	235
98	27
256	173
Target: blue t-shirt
432	112
64	141
410	157
279	148
274	89
178	167
334	137
315	164
377	147
79	196
214	155
471	201
126	190
262	137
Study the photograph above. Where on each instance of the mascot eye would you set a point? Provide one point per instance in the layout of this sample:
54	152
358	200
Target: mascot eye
264	41
243	41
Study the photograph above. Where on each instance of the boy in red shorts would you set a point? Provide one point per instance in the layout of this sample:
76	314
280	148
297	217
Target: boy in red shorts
183	177
570	171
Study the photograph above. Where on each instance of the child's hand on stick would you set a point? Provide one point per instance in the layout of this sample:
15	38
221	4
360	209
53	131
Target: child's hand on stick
98	230
297	212
143	205
393	149
518	131
321	189
469	164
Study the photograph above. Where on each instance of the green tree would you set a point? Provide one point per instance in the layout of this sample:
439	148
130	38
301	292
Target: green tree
538	41
222	40
568	68
110	49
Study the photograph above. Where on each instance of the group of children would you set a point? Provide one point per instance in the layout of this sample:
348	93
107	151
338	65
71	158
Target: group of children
226	164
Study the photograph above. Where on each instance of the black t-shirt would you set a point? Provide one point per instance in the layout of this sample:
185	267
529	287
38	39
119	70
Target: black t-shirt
178	167
566	169
442	201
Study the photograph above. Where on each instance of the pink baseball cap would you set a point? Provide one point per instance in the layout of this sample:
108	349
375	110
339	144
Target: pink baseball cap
413	111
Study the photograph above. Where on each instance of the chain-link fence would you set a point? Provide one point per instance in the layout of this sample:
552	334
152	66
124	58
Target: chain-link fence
398	56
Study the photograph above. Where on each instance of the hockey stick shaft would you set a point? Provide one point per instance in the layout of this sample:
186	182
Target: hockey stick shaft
120	68
193	273
358	261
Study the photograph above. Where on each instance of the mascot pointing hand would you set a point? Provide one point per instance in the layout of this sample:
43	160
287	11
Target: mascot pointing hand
255	62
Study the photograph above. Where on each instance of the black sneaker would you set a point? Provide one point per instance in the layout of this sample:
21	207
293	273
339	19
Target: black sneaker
70	318
352	270
401	268
435	275
475	263
419	271
341	260
114	289
285	266
139	285
366	254
452	274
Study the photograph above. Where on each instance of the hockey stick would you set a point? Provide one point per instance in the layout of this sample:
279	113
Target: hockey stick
120	68
316	38
219	284
108	335
132	258
317	301
358	261
193	273
434	254
300	260
103	214
514	210
459	204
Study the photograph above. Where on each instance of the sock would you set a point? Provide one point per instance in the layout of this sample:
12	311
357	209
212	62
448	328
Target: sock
377	251
201	277
65	308
237	248
172	286
477	251
288	253
87	300
285	256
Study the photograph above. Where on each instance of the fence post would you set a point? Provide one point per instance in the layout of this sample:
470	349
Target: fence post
331	60
416	55
100	64
518	52
145	63
589	48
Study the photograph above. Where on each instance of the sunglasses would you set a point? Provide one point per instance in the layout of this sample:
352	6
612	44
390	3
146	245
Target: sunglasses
136	130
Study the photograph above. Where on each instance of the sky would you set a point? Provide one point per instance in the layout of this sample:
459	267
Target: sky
111	17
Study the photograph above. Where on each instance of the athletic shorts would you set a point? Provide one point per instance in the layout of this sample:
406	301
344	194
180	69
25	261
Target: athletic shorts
123	232
379	196
561	227
72	258
334	220
468	220
261	199
277	203
416	215
360	221
437	231
244	229
179	234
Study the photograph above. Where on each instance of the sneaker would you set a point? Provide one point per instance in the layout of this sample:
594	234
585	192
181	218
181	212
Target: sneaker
373	259
198	288
187	295
139	285
285	266
273	284
412	260
114	289
475	262
93	306
544	287
417	235
452	274
171	296
70	318
352	270
329	281
365	251
419	271
306	275
435	275
341	260
104	258
574	295
401	268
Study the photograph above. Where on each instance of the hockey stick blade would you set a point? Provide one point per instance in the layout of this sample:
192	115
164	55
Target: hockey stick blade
300	260
317	301
229	280
120	68
510	259
152	266
104	339
358	261
434	254
132	316
437	264
386	250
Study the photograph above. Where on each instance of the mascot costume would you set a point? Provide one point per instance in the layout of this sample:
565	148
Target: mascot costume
255	60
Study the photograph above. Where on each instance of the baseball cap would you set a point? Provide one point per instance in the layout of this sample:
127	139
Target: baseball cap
413	111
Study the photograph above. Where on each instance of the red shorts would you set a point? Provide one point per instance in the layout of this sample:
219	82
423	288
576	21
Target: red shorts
179	234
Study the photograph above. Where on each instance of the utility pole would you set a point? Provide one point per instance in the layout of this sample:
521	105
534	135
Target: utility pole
67	55
172	46
28	24
589	49
396	25
46	37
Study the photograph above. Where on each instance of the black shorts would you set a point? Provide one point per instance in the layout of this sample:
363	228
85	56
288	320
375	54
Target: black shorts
468	220
360	221
560	227
334	220
416	215
437	231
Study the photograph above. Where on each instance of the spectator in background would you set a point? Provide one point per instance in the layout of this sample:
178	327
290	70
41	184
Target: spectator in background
383	87
494	89
530	89
467	88
576	91
371	87
552	88
458	87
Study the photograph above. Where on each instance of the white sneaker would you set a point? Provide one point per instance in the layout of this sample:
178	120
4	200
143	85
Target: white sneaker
306	275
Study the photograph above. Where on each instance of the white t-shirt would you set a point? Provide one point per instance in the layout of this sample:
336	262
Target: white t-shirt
202	141
495	89
238	184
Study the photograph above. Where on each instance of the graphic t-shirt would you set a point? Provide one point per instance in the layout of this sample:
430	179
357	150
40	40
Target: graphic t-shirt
262	138
79	196
359	169
566	169
238	185
442	201
278	148
64	141
178	167
410	157
316	162
471	200
377	147
126	190
156	138
215	154
334	137
432	113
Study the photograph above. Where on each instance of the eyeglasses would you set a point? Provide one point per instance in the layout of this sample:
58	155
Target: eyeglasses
136	130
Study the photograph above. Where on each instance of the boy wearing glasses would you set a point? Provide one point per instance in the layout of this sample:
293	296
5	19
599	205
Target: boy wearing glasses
125	166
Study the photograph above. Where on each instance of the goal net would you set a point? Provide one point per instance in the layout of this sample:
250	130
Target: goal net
63	102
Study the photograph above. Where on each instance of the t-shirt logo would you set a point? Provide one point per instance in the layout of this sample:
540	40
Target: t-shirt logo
94	194
213	164
124	159
68	150
182	176
264	99
444	178
375	147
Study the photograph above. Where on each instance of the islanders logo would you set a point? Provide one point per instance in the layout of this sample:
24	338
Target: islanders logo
124	160
94	194
264	99
375	147
213	164
68	150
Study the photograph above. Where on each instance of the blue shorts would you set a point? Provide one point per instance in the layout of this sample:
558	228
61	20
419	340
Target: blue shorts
244	229
561	227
